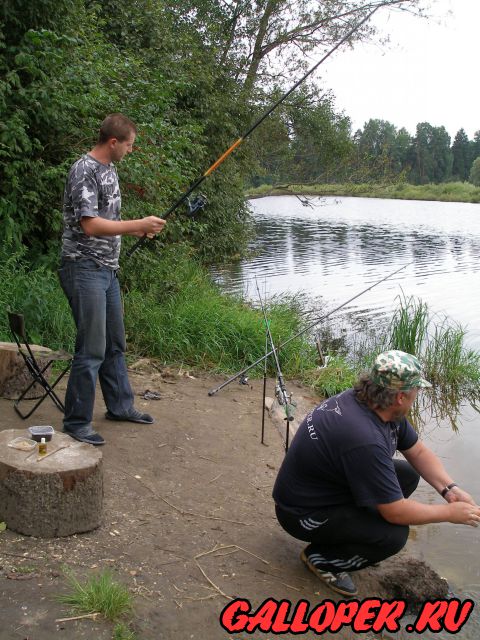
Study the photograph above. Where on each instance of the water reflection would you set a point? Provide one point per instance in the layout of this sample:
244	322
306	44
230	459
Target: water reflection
435	406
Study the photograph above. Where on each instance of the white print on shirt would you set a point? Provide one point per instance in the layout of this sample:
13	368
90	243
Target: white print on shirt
324	407
310	427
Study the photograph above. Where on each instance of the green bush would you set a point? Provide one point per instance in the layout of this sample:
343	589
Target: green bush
62	71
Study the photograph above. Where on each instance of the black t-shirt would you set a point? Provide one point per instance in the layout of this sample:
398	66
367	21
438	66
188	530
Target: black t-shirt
342	454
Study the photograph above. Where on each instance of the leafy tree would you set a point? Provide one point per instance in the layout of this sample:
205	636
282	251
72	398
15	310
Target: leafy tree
474	177
461	152
381	152
401	151
257	36
475	147
320	137
432	159
375	147
442	155
305	140
271	144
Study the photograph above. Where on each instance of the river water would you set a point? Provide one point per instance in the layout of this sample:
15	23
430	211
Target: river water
337	247
333	248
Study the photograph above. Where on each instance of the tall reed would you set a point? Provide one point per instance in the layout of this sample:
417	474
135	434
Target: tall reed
409	325
437	341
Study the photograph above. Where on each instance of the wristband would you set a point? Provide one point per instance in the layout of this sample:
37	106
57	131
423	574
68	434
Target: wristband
444	492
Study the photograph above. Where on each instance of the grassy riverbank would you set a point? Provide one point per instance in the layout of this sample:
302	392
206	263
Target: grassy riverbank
173	313
446	192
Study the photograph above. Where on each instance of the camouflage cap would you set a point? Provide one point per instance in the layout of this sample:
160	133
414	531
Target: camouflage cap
398	370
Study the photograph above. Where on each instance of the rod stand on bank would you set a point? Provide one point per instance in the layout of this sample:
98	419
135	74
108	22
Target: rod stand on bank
185	196
304	330
264	393
284	399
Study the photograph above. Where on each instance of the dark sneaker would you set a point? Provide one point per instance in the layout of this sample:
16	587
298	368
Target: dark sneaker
90	438
133	416
339	582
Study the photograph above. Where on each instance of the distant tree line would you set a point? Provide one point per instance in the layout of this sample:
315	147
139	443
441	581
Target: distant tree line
313	144
428	156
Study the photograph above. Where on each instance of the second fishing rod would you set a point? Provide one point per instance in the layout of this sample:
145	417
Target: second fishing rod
200	201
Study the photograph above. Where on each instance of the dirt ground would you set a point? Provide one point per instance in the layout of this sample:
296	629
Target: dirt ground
188	520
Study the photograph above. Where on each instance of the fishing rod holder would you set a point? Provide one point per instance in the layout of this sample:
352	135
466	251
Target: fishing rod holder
292	405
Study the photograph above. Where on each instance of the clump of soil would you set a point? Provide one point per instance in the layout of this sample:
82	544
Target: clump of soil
413	581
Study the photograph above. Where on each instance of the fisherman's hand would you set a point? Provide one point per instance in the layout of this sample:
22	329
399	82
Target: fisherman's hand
459	495
152	225
464	513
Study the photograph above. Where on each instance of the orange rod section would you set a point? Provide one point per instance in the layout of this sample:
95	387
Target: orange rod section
222	158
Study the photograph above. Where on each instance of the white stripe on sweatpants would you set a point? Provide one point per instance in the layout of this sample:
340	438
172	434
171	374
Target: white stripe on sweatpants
310	523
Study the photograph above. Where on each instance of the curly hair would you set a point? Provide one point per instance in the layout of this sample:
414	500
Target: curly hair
373	395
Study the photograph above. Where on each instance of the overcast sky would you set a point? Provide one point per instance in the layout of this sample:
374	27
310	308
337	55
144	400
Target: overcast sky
429	72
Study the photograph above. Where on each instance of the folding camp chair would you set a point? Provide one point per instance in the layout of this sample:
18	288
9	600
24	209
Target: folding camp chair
37	371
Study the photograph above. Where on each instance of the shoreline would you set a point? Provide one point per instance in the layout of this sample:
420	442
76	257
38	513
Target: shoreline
461	192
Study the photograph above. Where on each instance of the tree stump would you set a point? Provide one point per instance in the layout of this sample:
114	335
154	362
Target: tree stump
57	495
14	375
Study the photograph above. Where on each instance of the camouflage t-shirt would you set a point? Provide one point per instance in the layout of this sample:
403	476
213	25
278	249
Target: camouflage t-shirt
91	190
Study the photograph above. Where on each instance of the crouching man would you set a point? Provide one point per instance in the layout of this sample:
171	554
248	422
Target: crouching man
339	487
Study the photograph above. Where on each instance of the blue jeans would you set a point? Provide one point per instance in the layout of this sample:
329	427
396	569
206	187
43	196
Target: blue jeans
93	292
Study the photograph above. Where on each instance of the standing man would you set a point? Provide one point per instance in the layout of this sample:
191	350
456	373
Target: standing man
339	488
88	276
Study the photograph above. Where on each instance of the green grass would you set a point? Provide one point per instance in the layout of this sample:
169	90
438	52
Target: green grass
99	594
408	328
36	293
122	632
188	320
446	192
338	374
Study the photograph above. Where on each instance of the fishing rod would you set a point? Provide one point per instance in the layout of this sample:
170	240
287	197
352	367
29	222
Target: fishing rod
201	200
307	328
282	396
